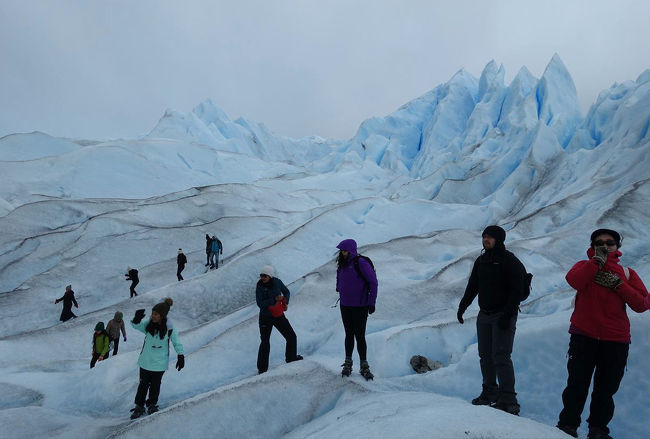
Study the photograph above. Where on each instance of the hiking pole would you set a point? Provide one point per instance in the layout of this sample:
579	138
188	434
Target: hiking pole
336	303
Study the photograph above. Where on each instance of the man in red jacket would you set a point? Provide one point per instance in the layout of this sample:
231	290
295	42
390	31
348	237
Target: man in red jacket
600	333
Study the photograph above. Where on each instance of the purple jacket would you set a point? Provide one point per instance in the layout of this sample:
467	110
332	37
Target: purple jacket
352	287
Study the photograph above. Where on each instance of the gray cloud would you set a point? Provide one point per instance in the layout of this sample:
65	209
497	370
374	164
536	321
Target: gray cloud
101	69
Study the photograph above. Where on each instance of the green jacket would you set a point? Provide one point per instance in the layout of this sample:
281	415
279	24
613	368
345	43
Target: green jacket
155	351
100	343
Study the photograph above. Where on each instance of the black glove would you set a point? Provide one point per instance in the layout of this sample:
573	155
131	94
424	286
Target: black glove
600	255
180	363
371	309
139	314
607	279
504	320
459	315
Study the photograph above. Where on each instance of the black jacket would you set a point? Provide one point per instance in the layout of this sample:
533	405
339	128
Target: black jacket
181	260
68	299
498	279
132	275
265	294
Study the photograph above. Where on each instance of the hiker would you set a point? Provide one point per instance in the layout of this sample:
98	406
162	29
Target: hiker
132	275
208	249
68	299
497	278
113	328
272	297
215	250
600	333
181	260
100	344
356	283
154	357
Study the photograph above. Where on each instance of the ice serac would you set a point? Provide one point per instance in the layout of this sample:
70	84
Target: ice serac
558	101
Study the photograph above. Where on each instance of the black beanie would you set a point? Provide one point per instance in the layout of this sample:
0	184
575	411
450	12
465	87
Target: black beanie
496	232
163	307
613	233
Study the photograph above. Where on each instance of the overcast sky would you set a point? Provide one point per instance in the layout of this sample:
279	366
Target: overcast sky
109	69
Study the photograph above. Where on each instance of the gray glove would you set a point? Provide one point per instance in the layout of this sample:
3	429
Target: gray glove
607	280
600	255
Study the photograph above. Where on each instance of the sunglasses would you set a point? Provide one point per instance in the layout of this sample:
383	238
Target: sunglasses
263	276
609	242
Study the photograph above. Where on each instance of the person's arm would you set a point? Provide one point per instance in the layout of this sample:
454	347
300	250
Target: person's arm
104	345
581	274
176	342
285	291
515	284
123	329
74	300
633	292
471	290
141	326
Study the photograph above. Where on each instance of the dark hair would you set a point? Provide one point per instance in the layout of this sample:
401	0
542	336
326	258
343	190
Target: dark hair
613	233
160	327
341	260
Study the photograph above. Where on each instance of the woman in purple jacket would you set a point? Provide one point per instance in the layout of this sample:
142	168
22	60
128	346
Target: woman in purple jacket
356	283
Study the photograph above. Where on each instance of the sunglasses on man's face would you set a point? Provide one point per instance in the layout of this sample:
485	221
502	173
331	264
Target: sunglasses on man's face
264	276
609	242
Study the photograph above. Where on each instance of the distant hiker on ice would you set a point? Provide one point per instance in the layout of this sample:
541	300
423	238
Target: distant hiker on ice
154	357
132	275
68	299
181	260
356	283
208	249
600	333
497	278
113	328
100	344
215	250
273	298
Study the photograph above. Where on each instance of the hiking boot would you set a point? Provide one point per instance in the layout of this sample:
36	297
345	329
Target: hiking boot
137	411
598	433
509	407
347	367
484	399
298	358
365	371
151	409
571	431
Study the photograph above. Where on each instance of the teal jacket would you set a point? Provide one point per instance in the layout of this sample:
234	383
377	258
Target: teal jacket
155	351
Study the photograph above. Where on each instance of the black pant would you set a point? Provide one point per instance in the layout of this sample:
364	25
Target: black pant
354	322
608	359
266	326
95	357
116	343
132	287
149	381
179	271
494	350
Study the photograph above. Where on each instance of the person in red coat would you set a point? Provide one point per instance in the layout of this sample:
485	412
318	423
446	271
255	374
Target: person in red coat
600	333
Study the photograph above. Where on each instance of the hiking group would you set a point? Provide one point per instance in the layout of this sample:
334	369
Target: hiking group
599	329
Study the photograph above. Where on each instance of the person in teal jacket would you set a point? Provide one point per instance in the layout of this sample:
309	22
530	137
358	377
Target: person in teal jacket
154	357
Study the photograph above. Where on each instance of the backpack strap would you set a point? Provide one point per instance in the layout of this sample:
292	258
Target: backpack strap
358	270
626	270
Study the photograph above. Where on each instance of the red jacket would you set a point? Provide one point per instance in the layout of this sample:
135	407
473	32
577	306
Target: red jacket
599	311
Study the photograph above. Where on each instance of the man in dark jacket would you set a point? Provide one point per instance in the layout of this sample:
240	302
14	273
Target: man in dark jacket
68	299
208	248
132	275
181	260
498	279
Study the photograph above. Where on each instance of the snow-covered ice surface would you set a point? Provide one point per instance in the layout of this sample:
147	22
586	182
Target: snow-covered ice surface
414	188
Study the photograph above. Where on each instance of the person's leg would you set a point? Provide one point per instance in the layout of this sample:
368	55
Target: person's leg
266	326
284	327
207	258
179	270
359	328
93	360
116	343
347	316
154	387
502	342
143	387
484	330
582	360
610	367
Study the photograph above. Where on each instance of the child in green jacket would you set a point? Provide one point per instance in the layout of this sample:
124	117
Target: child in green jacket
100	344
154	358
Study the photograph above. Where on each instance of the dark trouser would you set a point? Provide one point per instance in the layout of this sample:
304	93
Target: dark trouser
95	357
132	287
494	349
214	259
149	381
354	322
266	326
116	343
179	271
207	257
608	358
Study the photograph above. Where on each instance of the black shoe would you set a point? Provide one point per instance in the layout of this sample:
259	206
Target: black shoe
347	367
298	358
151	409
207	264
137	411
571	431
509	407
598	433
211	267
365	371
483	399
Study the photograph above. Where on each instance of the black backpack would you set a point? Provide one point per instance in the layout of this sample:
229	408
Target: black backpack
525	292
358	270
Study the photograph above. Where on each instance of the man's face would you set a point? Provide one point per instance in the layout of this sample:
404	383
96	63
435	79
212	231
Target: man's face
605	240
488	242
